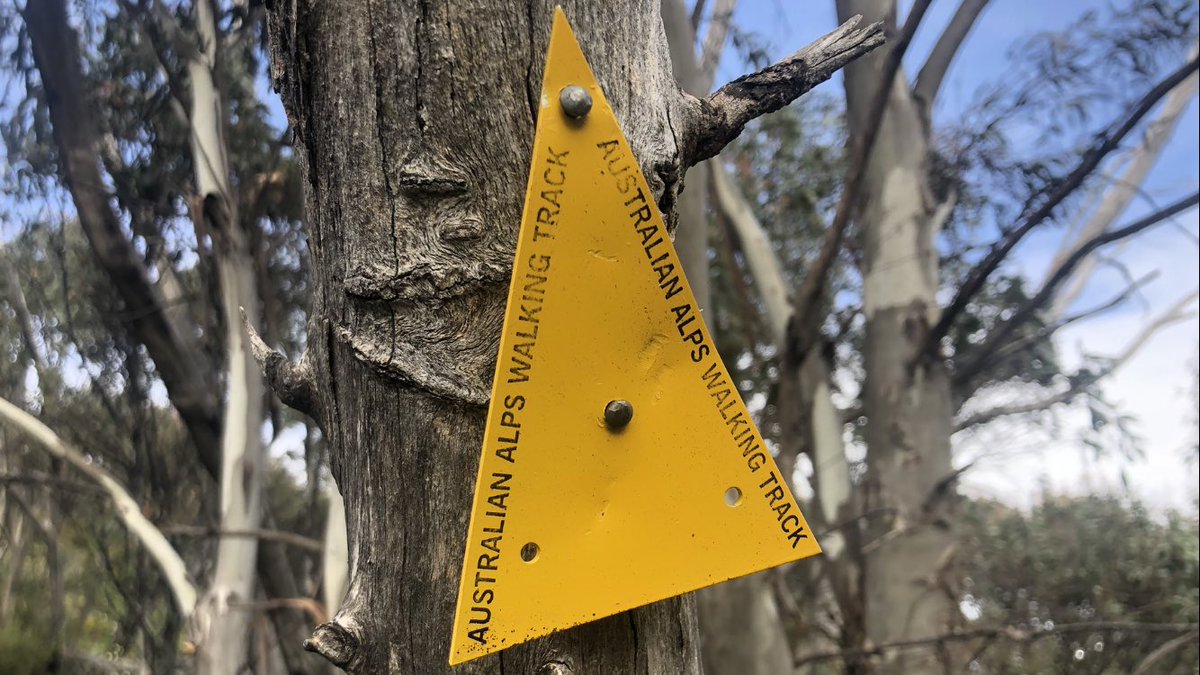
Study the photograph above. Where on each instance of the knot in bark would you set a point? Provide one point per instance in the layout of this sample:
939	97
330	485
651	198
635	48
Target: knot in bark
334	642
555	668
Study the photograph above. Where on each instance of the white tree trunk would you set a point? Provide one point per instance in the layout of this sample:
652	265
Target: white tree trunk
335	556
906	396
222	627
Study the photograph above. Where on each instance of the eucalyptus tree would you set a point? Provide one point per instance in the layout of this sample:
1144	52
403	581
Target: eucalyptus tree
149	126
926	214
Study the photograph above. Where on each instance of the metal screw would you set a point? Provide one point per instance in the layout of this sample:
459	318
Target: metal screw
575	101
617	414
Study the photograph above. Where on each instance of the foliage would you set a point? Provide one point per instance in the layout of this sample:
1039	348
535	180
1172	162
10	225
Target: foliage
22	653
1086	559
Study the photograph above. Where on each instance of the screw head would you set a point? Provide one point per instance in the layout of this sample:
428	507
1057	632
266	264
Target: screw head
575	100
617	414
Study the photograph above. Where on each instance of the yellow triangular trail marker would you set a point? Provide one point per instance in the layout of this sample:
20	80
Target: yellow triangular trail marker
574	520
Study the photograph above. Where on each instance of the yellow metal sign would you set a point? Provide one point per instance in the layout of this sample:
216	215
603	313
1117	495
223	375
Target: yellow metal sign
620	465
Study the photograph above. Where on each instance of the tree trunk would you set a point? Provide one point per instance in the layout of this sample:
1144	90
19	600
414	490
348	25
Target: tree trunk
906	396
415	123
222	627
335	563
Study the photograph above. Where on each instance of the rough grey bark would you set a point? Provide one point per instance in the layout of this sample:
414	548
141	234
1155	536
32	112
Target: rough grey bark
691	240
415	123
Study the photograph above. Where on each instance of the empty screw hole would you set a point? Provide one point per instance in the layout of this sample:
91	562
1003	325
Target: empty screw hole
733	496
529	552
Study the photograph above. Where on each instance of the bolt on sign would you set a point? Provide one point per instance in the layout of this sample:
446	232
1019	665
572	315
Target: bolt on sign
619	460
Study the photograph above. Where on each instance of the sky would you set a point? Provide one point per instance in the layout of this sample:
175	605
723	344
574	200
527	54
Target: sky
1017	461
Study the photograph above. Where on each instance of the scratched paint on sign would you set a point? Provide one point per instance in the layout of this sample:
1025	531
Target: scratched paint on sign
573	521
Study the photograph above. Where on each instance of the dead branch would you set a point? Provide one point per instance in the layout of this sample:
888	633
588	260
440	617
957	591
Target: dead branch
715	121
291	381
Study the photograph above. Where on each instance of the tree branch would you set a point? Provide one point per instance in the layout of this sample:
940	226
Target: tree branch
1164	650
714	43
292	382
157	546
281	536
313	608
764	264
1012	633
1046	331
1063	272
1120	193
697	15
1081	381
38	478
715	121
1105	143
859	153
929	80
